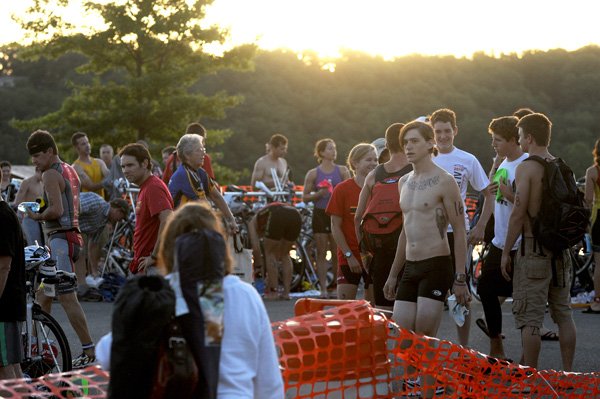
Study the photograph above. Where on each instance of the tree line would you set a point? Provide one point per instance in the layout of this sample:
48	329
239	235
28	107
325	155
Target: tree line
296	96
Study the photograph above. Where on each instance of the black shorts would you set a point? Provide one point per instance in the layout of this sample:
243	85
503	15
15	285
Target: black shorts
353	278
596	233
321	222
379	270
491	279
428	278
11	349
284	223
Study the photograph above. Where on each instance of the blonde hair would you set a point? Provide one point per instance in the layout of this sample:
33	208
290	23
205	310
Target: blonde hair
357	153
191	216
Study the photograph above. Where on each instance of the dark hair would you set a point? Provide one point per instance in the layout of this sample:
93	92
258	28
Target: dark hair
424	129
443	115
392	137
521	112
195	128
538	126
168	150
505	127
596	152
320	146
121	204
138	151
5	163
76	136
40	141
278	139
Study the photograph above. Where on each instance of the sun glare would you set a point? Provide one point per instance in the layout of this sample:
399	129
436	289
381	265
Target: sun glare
388	28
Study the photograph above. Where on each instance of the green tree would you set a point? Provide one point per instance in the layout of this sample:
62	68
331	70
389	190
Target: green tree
144	56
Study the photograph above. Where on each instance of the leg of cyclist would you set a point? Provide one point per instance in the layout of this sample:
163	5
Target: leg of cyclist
271	258
285	262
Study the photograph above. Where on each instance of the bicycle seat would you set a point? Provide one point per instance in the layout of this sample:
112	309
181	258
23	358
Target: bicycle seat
235	189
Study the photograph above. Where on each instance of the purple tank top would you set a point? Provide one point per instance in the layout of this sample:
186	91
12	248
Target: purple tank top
334	178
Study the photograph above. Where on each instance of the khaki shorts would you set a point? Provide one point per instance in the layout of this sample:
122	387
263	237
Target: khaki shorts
534	286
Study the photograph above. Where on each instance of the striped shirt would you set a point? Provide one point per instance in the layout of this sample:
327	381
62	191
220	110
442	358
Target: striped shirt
93	215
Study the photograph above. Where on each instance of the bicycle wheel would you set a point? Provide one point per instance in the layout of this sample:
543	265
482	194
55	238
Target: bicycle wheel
298	265
477	257
582	259
50	352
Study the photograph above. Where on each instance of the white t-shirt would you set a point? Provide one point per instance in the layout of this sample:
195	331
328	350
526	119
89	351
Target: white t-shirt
503	208
466	169
249	366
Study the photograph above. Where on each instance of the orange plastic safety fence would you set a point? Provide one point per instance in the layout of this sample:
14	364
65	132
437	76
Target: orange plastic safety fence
91	382
353	351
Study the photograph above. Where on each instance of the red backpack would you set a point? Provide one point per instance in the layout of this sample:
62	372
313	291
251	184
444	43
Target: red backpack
382	220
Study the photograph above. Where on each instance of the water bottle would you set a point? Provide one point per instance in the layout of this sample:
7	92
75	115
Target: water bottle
259	284
32	206
48	278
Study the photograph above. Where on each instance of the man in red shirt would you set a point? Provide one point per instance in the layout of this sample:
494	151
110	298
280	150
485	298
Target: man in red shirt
153	206
173	161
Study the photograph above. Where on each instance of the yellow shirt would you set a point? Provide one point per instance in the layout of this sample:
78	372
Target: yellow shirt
94	172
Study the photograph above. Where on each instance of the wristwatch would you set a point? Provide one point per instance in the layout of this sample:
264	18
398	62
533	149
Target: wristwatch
460	277
348	254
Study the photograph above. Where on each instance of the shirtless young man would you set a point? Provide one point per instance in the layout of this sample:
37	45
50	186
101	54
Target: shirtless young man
277	148
429	199
30	190
537	278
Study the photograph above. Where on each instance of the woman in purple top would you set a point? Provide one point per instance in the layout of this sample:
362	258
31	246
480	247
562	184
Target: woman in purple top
318	186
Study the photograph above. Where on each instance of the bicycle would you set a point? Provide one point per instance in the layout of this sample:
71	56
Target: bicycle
304	255
45	345
582	258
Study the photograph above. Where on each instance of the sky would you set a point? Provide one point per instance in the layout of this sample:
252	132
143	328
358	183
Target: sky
392	28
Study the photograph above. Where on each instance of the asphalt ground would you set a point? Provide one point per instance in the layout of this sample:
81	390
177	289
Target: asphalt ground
586	357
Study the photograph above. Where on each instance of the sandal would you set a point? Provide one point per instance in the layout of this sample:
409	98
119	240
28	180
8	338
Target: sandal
550	336
589	309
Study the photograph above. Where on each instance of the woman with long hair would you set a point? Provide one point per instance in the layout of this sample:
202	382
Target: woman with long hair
222	318
592	198
341	208
318	187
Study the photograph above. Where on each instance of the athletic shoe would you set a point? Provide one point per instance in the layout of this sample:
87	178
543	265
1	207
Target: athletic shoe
83	360
93	282
414	388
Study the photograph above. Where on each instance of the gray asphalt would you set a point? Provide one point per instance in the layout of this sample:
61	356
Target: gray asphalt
586	357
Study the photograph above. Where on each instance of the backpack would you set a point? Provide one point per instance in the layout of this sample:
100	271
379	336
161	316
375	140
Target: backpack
382	220
563	219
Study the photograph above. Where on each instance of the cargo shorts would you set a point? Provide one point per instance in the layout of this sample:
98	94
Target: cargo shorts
535	284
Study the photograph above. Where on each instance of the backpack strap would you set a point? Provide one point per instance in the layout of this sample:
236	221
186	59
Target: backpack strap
380	173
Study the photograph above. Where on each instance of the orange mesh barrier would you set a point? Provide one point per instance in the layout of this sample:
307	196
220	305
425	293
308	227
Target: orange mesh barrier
91	382
353	351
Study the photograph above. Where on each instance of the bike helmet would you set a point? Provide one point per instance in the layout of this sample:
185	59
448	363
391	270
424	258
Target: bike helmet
35	254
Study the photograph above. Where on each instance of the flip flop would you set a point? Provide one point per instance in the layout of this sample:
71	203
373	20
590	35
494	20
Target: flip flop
589	310
550	336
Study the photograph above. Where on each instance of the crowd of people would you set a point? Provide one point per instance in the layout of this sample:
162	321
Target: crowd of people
394	217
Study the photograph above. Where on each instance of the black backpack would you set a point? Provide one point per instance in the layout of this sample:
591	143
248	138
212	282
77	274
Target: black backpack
562	220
